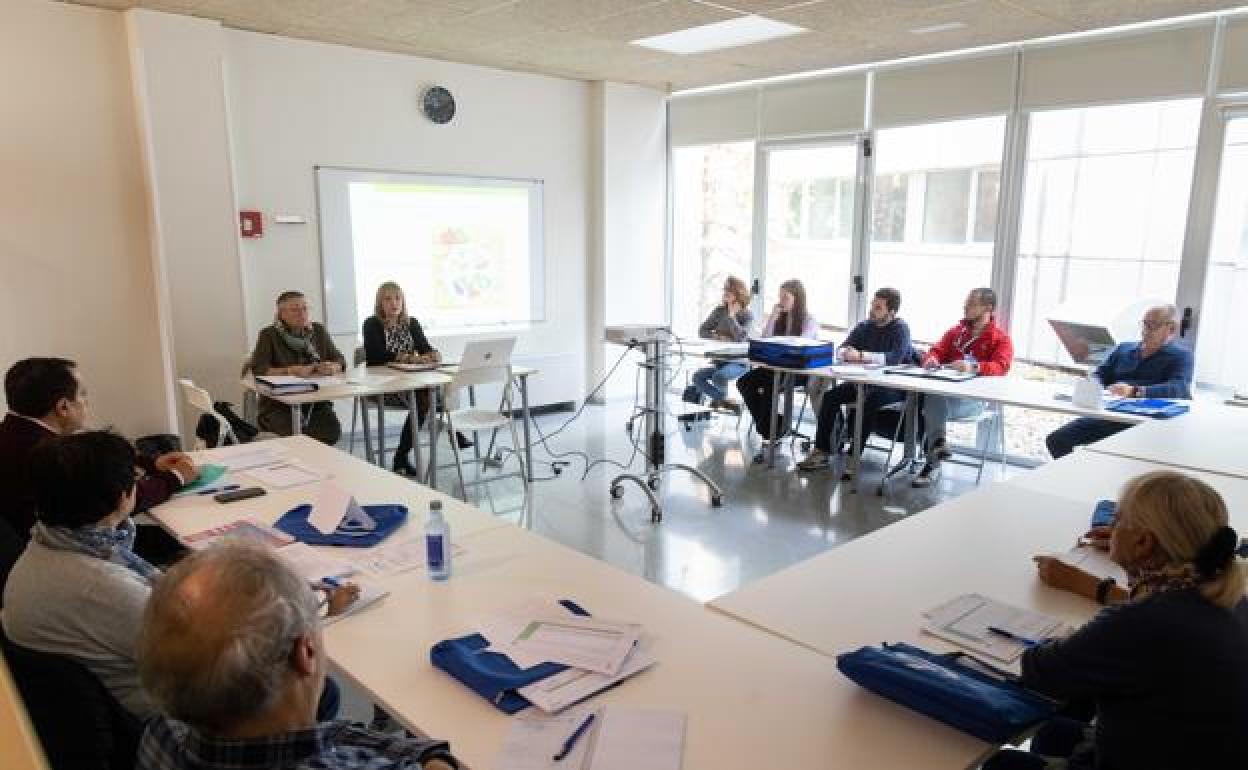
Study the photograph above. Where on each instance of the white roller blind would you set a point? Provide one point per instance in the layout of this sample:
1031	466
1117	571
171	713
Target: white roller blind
816	106
943	90
1233	74
719	116
1152	65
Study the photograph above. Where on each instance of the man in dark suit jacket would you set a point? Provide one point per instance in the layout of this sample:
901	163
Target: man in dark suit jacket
46	398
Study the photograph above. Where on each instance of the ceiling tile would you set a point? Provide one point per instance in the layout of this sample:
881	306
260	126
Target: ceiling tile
656	19
754	6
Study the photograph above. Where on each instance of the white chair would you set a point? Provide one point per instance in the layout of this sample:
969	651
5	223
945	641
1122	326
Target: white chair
201	400
475	420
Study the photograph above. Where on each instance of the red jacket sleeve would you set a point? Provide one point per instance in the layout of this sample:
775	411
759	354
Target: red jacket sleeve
942	352
1002	355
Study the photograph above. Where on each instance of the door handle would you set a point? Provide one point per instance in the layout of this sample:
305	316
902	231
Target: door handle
1186	323
858	287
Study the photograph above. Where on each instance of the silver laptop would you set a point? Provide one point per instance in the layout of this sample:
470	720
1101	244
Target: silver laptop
1086	343
479	354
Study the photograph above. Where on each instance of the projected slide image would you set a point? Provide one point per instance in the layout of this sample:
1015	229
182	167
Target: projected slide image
460	252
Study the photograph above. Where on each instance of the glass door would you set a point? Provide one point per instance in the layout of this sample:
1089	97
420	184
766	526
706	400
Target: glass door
1224	314
811	225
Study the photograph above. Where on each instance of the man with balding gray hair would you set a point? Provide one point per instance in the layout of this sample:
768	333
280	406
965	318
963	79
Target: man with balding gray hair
232	651
1154	367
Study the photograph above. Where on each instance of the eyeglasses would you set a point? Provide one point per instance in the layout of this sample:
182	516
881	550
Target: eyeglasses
1151	325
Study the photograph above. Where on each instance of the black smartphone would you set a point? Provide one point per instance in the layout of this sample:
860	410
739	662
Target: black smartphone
238	494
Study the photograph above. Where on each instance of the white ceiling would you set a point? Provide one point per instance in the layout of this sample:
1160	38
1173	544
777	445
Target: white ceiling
588	39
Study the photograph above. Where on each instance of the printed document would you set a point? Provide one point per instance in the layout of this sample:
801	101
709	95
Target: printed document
966	621
620	738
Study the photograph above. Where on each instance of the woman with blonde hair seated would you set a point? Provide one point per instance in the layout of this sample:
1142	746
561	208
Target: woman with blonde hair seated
1167	665
391	335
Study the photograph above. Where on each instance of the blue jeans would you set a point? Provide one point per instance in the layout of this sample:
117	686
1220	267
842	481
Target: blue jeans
939	410
1084	430
712	381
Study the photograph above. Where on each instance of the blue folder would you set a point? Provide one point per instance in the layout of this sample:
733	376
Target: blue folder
952	688
383	521
489	674
1161	408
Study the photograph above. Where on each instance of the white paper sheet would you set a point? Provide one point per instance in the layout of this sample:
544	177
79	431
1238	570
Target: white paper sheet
313	564
534	740
1094	561
332	505
243	456
392	558
291	473
588	643
631	738
966	619
567	688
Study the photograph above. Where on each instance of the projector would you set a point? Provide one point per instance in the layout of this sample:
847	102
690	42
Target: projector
637	334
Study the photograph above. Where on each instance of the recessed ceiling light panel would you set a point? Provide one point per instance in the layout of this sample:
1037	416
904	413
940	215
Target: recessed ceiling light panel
947	27
742	30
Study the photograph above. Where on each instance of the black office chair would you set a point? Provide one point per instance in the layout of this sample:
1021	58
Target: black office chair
11	547
79	723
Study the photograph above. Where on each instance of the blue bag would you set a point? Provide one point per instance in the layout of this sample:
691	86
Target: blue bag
990	706
384	520
1162	408
489	674
793	352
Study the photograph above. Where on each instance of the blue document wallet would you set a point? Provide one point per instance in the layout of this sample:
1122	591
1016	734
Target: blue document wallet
1149	407
381	521
792	352
952	688
489	674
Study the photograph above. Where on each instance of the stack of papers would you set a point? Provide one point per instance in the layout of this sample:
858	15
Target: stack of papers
620	738
284	385
1095	562
249	529
243	456
598	653
988	627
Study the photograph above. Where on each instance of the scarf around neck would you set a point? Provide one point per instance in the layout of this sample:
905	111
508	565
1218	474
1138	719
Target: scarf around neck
1175	577
111	545
300	342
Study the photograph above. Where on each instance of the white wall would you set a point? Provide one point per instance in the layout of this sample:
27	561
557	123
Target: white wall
177	67
296	104
74	229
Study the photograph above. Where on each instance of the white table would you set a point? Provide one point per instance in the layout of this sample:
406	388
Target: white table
1091	476
189	514
875	589
384	381
752	700
1212	437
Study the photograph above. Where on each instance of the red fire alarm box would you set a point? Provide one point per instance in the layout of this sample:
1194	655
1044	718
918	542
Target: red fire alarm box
250	224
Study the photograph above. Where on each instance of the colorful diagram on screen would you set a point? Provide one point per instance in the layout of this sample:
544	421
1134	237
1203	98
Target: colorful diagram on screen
468	267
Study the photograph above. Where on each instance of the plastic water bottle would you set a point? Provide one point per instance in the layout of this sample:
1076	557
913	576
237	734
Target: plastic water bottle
437	543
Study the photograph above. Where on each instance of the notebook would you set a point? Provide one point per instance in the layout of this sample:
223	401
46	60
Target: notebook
949	375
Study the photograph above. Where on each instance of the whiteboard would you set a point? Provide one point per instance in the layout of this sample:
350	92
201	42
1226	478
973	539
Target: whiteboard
468	251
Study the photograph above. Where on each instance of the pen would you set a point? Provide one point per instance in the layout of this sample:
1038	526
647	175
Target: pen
214	490
573	738
1016	637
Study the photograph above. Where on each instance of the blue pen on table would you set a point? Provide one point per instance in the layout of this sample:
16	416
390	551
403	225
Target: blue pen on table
214	490
1025	641
573	738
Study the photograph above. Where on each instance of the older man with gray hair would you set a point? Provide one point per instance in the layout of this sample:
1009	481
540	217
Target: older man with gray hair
1154	367
232	651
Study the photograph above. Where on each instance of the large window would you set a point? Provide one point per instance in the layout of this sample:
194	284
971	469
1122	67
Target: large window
934	216
1219	357
712	211
1104	210
810	224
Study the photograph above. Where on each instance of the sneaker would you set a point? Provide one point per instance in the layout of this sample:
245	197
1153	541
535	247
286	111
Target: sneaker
847	475
931	471
402	467
817	460
463	441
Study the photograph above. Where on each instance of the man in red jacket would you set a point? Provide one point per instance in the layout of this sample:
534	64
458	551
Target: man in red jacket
977	344
46	397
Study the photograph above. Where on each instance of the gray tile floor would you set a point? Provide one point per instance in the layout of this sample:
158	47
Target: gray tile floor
770	519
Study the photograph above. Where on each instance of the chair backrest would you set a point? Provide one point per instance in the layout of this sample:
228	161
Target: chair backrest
201	400
79	723
487	375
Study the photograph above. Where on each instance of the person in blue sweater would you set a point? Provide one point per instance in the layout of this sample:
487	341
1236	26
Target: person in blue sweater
1154	367
882	339
1166	666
